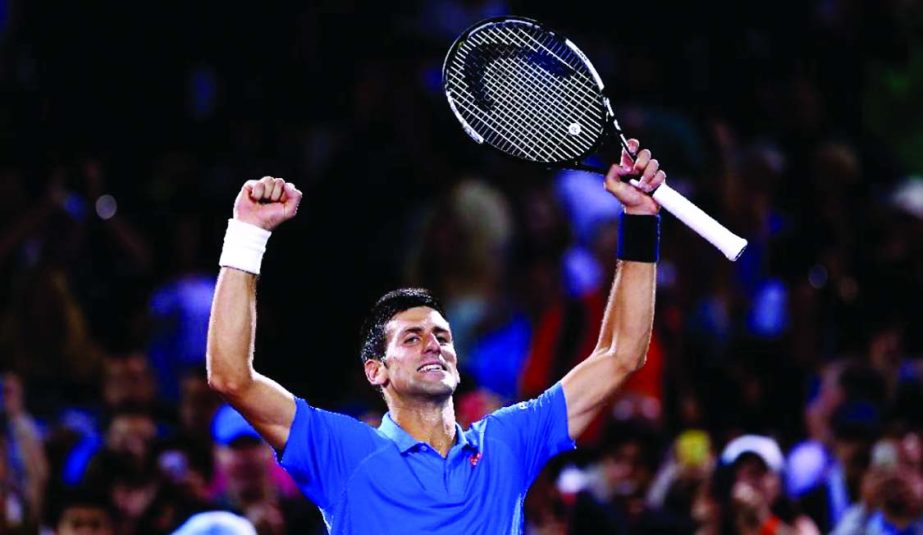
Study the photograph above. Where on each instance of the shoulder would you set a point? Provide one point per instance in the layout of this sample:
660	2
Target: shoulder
548	401
312	424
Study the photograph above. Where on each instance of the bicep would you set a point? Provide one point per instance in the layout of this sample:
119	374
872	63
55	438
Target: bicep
269	408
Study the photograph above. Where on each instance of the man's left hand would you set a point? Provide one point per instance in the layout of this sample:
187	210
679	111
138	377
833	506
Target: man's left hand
636	200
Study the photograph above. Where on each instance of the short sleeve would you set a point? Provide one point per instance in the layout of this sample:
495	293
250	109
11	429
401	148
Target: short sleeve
534	430
323	449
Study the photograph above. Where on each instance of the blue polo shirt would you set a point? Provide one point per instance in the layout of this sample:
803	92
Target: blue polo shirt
383	481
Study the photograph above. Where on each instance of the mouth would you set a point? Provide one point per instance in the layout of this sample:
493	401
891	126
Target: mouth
432	367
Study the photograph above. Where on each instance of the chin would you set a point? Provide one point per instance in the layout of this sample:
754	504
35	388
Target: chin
439	389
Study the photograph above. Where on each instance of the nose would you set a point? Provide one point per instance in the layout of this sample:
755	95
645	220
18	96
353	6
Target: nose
432	344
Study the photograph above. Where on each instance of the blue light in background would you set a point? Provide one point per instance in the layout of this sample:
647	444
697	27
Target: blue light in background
768	316
202	92
4	16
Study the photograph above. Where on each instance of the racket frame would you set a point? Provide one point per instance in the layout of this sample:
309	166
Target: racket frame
727	242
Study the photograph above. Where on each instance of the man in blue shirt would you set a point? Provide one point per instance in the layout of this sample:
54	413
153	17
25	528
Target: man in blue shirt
419	472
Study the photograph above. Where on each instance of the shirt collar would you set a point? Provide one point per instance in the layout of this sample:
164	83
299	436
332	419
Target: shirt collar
404	441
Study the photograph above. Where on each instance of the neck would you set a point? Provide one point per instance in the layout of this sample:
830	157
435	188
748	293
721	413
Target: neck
432	422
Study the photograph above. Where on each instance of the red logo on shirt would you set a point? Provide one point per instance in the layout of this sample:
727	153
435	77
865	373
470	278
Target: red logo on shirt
474	459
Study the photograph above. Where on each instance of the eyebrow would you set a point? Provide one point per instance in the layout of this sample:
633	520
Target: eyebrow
419	330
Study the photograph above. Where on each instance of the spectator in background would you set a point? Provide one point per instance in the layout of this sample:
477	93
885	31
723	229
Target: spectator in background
683	473
132	489
127	380
187	467
24	469
892	490
748	490
216	523
128	386
13	502
129	444
83	511
248	480
197	406
80	264
45	335
615	500
855	427
178	309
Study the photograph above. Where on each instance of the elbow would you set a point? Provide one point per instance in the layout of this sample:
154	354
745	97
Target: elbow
227	387
632	363
227	384
639	361
627	362
219	384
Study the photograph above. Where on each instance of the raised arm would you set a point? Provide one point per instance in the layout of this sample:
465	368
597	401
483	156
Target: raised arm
260	207
626	328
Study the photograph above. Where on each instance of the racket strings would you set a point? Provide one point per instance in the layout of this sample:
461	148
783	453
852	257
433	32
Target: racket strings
537	126
506	121
577	67
550	131
527	126
562	108
536	118
523	127
588	89
534	111
578	94
501	138
511	133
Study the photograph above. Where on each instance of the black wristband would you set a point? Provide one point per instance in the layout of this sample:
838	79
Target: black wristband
639	238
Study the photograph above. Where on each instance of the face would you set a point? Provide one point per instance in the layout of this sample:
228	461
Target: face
854	455
755	474
246	464
197	406
420	359
84	520
624	470
131	434
128	380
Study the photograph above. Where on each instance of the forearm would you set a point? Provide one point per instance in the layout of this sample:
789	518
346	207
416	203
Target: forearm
622	346
231	330
625	332
627	322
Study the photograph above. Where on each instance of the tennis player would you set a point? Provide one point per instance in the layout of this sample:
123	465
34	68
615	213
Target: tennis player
420	472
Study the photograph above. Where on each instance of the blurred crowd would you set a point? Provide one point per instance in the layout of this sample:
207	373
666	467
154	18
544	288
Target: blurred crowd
782	393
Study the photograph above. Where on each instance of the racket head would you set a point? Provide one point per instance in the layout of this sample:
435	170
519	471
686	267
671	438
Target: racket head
527	91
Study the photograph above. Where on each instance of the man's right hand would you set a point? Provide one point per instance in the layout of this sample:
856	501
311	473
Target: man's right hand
267	202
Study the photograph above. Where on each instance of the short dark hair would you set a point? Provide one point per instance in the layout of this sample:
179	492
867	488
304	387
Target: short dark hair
390	304
91	497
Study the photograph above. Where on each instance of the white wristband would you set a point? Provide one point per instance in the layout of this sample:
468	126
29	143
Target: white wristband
244	245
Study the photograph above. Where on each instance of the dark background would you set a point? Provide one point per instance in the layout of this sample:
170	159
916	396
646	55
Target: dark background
170	106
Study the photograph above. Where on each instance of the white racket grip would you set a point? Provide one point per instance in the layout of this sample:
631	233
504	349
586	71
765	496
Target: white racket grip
726	241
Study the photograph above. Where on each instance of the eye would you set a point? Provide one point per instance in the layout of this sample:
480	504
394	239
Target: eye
411	339
443	339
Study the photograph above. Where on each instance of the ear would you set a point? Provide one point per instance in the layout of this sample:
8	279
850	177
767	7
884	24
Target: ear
376	372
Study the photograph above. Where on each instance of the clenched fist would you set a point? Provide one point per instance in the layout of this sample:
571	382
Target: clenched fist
267	202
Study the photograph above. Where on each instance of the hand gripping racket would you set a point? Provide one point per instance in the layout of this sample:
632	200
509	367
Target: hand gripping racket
532	94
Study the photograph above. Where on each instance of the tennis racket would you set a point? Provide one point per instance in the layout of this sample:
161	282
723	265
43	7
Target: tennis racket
530	93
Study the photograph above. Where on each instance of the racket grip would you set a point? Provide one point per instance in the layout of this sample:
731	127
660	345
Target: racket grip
726	241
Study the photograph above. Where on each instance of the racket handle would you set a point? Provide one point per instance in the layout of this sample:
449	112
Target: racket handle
726	241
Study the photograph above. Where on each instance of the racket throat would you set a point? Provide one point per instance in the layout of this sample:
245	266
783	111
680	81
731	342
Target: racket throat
580	166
